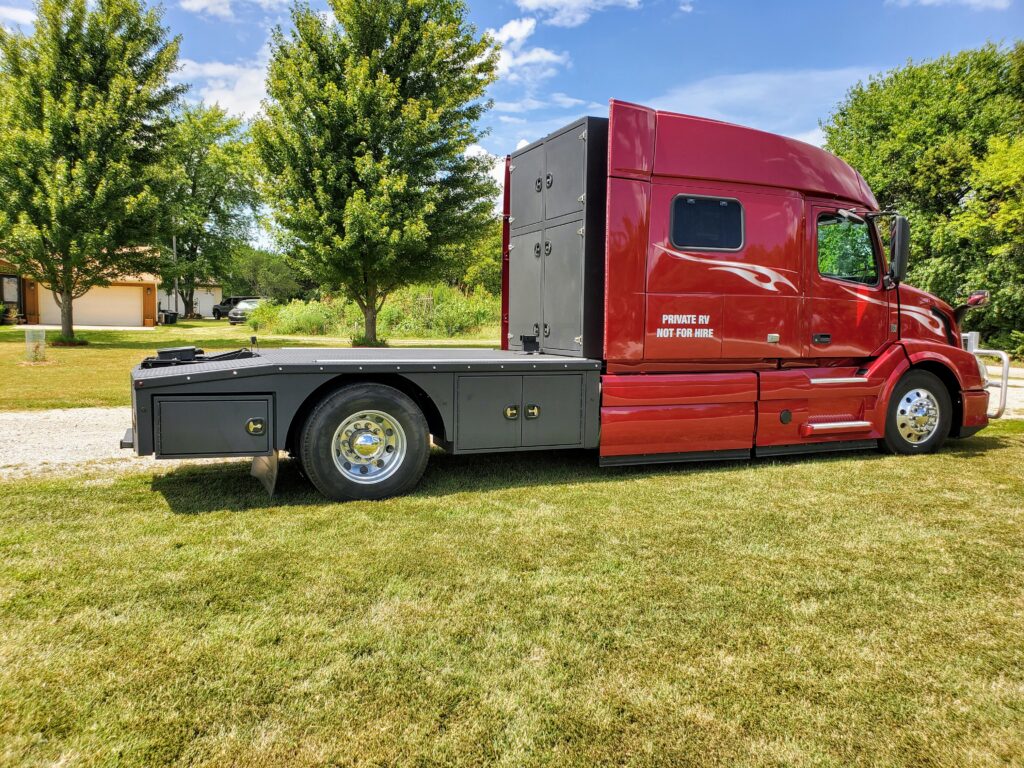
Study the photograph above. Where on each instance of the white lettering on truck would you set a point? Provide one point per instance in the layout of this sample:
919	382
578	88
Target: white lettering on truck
685	327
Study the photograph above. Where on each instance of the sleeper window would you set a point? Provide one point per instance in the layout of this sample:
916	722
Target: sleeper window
707	223
844	250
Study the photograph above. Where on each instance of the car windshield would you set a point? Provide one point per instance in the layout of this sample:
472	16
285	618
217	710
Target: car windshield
248	304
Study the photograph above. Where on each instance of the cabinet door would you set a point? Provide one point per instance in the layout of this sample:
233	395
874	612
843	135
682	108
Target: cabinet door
552	410
526	198
525	266
566	161
483	421
563	288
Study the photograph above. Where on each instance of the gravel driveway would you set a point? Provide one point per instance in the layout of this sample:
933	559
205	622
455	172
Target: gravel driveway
67	441
70	440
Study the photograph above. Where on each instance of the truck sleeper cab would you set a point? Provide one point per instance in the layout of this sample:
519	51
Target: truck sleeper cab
674	289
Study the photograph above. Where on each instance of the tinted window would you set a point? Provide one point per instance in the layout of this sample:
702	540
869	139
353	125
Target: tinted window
707	223
844	250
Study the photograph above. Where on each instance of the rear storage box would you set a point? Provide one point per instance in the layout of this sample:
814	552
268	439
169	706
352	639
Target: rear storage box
556	254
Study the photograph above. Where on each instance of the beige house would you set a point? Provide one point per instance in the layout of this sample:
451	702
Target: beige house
128	302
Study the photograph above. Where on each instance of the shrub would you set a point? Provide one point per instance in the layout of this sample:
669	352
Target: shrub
423	311
264	316
313	318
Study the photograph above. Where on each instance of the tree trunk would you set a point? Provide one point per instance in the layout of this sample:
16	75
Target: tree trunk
370	323
189	298
67	325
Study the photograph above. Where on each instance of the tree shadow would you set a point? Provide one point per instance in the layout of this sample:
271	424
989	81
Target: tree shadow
202	489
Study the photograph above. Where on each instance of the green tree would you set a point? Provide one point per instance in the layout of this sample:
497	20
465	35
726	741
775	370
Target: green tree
86	110
921	135
983	240
365	140
259	272
211	197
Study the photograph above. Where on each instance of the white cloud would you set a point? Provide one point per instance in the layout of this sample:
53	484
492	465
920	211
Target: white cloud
532	103
223	9
571	13
977	5
509	120
787	102
686	6
14	15
516	62
238	88
522	143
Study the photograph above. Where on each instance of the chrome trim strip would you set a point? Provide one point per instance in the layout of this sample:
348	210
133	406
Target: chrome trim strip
839	425
843	380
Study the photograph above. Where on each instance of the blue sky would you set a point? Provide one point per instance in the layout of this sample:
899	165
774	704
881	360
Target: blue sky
779	65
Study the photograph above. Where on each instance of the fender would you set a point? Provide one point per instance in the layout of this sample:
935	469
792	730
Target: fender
961	363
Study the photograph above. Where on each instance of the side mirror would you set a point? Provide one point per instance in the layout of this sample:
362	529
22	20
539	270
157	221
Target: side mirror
900	249
974	300
978	298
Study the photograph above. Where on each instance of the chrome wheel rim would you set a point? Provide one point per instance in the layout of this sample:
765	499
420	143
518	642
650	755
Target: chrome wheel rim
917	417
368	447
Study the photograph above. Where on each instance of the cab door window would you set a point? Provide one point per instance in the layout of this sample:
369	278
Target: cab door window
845	251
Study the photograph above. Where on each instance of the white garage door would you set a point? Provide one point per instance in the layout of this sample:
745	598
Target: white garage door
113	305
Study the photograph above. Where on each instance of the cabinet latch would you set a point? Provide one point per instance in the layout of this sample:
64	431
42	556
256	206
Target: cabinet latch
511	412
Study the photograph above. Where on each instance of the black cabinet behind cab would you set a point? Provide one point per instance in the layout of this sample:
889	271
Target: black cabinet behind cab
557	196
509	412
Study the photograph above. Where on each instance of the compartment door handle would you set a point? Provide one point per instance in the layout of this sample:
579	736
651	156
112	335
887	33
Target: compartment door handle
822	338
533	411
511	412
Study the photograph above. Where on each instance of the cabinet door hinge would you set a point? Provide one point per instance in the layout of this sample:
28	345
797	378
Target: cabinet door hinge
578	340
580	231
583	136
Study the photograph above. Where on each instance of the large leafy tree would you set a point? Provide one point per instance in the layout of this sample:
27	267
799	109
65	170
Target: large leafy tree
365	140
922	136
211	197
259	272
86	107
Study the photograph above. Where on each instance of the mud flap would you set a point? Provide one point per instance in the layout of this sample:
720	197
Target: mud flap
264	469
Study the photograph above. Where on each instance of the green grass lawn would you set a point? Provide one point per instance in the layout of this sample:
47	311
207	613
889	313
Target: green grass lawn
521	611
97	374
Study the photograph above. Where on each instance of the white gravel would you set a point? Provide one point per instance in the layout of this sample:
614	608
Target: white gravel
72	440
67	441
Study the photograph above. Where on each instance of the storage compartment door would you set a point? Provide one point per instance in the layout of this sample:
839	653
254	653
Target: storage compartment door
525	265
565	175
563	289
552	410
489	412
214	426
526	193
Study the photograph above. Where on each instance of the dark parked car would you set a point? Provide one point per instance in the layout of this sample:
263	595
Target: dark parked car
241	311
229	303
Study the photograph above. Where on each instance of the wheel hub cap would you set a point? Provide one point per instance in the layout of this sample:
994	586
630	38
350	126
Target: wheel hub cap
918	415
368	446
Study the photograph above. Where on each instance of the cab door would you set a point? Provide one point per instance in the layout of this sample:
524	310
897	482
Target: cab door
848	304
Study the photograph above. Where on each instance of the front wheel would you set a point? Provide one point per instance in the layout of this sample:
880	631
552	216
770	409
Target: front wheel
366	441
216	314
919	416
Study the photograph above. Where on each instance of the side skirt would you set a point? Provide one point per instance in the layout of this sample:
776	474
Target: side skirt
739	454
792	450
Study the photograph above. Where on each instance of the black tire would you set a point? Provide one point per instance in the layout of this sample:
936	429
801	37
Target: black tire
372	407
910	425
216	314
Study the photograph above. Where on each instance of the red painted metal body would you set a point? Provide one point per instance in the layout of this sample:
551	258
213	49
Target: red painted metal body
750	348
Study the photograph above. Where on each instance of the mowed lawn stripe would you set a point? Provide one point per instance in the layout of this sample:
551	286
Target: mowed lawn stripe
528	610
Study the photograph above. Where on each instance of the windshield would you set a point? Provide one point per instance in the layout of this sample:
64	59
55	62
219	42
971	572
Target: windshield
248	304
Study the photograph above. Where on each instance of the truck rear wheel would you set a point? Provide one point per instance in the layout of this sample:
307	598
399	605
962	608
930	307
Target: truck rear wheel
919	416
366	441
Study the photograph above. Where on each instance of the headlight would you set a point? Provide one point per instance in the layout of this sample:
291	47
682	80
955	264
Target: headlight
982	371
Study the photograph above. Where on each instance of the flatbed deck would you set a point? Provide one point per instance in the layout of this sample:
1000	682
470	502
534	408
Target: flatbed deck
367	360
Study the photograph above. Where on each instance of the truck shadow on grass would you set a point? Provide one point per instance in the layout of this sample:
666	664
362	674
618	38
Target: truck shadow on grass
197	490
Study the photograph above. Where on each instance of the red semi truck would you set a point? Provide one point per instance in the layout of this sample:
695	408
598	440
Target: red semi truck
674	289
